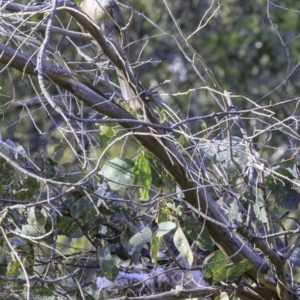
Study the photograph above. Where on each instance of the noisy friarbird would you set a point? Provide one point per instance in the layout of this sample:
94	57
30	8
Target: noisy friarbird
109	17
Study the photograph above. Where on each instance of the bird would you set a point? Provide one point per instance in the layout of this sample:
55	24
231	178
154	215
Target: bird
109	17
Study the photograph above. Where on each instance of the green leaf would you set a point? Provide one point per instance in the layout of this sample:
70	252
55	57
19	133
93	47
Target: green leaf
13	270
275	181
42	292
259	206
142	172
124	238
69	173
69	285
68	227
234	213
6	174
155	245
198	233
222	296
238	269
145	194
11	297
219	151
183	246
137	242
203	125
29	188
157	178
164	228
36	221
86	296
107	131
118	173
220	275
162	215
30	230
83	208
12	148
288	198
3	264
107	263
177	209
213	263
41	218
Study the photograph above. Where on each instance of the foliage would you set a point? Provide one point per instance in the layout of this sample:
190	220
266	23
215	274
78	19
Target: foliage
194	192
